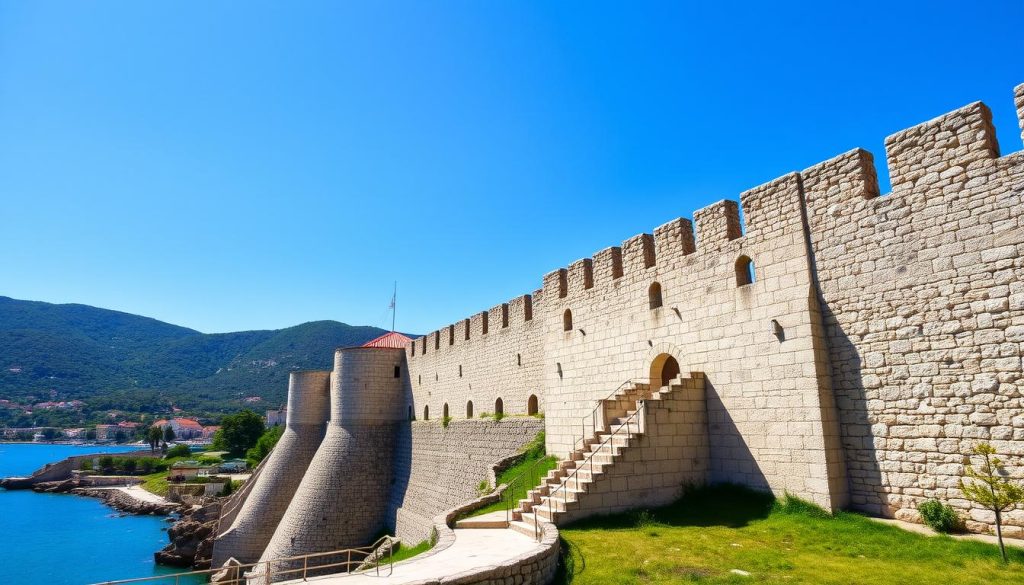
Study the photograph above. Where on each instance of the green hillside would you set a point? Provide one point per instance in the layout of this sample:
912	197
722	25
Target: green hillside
117	361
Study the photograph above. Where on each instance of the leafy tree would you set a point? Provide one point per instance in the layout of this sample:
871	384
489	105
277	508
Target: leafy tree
153	436
168	434
263	445
239	432
49	433
990	487
130	464
90	435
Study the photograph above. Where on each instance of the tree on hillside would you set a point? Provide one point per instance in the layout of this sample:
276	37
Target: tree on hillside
239	432
153	437
990	487
263	446
168	434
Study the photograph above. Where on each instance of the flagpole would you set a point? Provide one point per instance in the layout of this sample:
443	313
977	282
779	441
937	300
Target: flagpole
394	296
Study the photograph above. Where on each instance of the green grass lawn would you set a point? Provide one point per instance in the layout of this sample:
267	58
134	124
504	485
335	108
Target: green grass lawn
518	491
711	531
407	552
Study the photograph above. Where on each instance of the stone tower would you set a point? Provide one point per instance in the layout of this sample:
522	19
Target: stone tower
308	411
342	500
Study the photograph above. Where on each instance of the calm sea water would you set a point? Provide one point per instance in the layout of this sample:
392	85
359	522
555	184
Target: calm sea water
60	539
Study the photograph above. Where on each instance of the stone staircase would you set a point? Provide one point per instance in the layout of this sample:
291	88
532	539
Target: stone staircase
574	488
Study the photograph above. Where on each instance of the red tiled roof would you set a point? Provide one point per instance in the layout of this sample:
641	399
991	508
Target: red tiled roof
186	422
390	340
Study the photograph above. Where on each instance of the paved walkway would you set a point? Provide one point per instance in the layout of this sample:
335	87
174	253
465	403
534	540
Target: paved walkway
137	493
922	529
473	548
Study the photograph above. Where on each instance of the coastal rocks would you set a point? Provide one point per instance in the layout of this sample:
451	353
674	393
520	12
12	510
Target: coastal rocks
191	538
124	502
113	497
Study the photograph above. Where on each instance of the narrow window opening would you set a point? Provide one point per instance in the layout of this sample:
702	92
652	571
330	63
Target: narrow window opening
445	409
469	409
519	359
411	415
426	412
465	326
531	405
744	271
654	295
460	370
398	371
567	320
499	406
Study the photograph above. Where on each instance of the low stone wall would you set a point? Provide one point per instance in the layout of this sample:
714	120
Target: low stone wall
437	468
61	470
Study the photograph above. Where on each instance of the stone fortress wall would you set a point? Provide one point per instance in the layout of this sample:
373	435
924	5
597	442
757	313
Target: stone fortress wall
438	468
879	339
881	335
923	301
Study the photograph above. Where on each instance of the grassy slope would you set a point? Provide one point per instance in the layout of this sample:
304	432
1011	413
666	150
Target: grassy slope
408	552
518	491
712	531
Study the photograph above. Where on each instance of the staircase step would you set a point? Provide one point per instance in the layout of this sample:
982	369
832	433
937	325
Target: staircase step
525	528
491	520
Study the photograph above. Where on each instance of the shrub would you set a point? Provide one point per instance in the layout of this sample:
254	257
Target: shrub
940	517
445	421
106	463
498	416
129	465
178	451
86	465
483	488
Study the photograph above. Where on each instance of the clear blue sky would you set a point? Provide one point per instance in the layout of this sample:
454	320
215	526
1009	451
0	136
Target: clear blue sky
245	165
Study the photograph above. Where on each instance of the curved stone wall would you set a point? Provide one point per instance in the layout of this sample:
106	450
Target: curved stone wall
342	499
308	411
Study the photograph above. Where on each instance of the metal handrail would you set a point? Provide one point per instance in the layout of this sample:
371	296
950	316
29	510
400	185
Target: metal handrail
242	571
565	483
579	443
509	495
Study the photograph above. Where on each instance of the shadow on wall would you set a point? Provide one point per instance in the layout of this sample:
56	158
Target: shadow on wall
862	470
400	478
730	458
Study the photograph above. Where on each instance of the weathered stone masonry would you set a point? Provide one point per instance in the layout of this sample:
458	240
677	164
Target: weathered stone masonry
843	346
881	336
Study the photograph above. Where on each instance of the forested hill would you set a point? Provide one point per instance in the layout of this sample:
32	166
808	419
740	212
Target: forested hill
115	360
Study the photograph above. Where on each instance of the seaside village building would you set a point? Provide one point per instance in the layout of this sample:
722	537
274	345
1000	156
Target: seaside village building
839	344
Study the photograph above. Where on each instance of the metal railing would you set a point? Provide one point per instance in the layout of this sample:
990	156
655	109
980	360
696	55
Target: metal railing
581	442
563	485
268	571
525	482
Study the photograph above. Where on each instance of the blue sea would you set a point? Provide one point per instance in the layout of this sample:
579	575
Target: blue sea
60	539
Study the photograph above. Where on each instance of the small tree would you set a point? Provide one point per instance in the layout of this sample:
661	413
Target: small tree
990	487
153	436
168	434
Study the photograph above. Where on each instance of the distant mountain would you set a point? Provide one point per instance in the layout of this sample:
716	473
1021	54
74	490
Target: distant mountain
115	360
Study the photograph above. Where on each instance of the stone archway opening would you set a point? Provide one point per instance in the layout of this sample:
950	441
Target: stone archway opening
664	369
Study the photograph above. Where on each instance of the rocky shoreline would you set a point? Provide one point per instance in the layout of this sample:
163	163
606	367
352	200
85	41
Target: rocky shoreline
113	497
191	538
